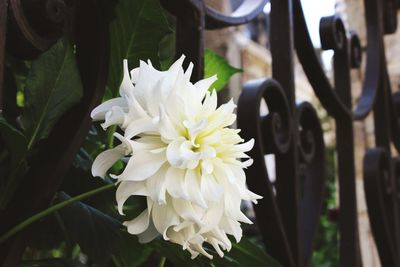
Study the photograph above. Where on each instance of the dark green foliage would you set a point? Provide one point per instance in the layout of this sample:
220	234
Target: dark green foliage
96	232
14	146
57	262
53	86
15	142
327	241
130	253
11	110
136	32
252	254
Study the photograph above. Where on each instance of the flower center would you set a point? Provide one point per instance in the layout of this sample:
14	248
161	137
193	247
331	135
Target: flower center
189	151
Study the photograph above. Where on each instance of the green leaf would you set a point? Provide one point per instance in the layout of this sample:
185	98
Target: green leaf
175	254
52	87
14	140
10	108
97	233
215	64
249	253
130	252
57	262
17	146
139	27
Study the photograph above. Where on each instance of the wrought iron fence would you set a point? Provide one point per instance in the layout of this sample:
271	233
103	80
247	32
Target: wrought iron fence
289	214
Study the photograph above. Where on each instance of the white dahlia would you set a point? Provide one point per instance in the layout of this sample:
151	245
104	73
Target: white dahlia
180	155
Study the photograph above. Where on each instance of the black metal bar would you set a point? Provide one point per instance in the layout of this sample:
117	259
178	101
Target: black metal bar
190	26
3	27
348	216
287	167
268	217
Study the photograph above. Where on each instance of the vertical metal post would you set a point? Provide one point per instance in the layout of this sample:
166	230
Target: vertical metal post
3	28
287	164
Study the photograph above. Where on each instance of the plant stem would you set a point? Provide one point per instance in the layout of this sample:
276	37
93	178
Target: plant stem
110	136
162	262
52	209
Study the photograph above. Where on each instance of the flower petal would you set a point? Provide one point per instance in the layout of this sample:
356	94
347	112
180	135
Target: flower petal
126	84
126	189
204	85
139	224
115	116
175	180
142	166
192	186
100	111
157	186
163	217
106	159
143	125
210	189
148	235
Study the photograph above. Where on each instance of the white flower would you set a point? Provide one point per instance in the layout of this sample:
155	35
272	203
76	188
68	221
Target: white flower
180	155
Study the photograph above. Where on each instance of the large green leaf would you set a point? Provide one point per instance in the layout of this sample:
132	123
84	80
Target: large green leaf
176	255
97	233
139	27
14	140
130	253
10	108
56	262
249	253
215	64
16	145
52	87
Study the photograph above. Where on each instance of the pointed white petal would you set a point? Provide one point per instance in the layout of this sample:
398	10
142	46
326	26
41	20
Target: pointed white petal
143	125
139	224
244	147
148	235
210	189
204	85
192	186
135	75
100	111
175	180
141	166
164	217
157	186
126	85
126	189
106	159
